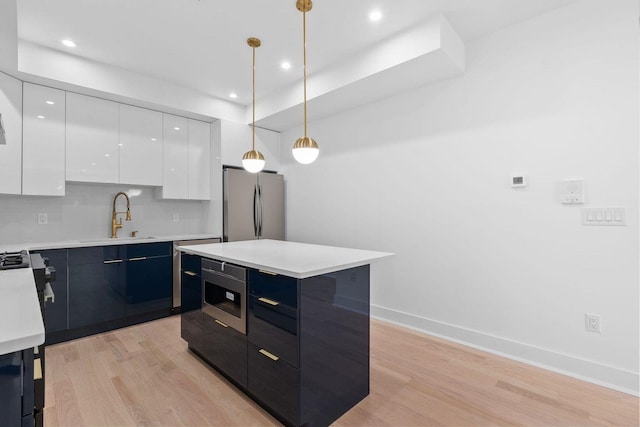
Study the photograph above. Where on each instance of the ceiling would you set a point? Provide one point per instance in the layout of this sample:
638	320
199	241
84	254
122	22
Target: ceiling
201	44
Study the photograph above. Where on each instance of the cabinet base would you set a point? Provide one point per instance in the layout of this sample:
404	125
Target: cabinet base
72	334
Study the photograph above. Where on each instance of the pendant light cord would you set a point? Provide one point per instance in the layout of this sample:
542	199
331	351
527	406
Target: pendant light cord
304	67
253	123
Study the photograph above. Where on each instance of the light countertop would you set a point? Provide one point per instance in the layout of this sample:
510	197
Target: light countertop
83	243
299	260
21	325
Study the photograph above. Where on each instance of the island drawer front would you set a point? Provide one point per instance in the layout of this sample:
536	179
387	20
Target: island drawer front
275	383
275	288
225	348
191	322
149	249
190	263
274	328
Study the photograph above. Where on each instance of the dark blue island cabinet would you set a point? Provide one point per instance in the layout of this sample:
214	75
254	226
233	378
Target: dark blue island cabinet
101	288
16	389
307	344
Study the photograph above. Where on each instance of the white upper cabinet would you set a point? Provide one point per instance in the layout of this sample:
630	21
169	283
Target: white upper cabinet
199	160
92	139
11	123
43	141
140	146
175	183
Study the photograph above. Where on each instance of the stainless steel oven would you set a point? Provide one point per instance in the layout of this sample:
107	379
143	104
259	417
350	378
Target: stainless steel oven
224	293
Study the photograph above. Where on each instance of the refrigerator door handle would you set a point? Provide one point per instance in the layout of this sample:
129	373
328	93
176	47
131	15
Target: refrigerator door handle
261	210
255	211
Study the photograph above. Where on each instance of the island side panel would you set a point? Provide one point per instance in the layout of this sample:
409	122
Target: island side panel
334	344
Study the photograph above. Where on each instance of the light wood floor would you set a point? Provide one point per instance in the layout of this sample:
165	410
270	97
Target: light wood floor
145	376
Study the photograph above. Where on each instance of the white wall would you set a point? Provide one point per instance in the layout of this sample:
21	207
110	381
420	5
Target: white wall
425	174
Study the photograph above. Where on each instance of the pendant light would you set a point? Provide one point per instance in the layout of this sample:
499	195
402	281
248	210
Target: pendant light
253	161
305	150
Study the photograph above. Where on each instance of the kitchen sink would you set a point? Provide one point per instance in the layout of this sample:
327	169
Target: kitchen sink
119	239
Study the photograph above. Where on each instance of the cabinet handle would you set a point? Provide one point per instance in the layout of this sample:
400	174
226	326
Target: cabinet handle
268	301
190	273
113	261
37	369
269	355
141	258
224	325
268	272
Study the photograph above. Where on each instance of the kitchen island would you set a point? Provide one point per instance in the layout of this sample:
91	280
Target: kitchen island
299	341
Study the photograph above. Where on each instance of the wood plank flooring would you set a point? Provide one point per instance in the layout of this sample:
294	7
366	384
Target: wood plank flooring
145	376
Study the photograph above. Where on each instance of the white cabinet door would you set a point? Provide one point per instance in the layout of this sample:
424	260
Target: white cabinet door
43	141
199	160
92	139
175	180
11	151
140	146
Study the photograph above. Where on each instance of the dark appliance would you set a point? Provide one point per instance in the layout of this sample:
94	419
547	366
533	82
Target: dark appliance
253	205
224	293
11	260
44	275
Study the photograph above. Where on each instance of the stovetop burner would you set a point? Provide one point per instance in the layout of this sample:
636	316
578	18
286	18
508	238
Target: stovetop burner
11	260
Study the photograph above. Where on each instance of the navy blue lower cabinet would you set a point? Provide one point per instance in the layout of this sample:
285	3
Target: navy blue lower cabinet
274	383
226	349
149	280
16	389
97	283
334	344
191	320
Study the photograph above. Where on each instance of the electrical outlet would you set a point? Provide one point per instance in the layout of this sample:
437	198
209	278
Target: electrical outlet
176	217
43	218
592	322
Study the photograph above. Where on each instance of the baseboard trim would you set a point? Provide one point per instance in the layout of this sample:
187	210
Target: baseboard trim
586	370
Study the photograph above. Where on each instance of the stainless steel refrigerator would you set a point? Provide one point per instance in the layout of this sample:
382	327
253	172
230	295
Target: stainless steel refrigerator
253	205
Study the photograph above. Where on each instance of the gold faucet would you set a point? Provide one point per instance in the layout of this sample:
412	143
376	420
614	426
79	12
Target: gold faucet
114	214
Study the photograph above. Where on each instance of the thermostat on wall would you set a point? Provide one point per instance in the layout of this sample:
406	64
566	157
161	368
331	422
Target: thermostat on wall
519	180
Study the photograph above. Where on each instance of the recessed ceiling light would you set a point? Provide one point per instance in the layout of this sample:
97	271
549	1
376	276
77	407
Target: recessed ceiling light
285	65
120	145
50	102
233	95
153	139
69	43
40	117
375	15
107	155
176	128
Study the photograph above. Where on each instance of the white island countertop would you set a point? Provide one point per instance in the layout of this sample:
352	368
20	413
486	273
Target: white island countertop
21	325
299	260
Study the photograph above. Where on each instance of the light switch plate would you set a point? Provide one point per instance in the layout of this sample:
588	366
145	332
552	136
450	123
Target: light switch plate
604	216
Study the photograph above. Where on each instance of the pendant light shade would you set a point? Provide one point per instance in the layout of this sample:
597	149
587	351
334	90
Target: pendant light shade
253	160
305	150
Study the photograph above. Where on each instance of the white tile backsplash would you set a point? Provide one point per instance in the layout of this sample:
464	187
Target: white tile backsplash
85	213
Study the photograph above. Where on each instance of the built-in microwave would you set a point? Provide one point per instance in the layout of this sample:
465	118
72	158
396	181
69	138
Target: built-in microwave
224	293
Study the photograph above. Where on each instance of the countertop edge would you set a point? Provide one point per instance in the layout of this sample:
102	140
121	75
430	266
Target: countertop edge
289	273
22	343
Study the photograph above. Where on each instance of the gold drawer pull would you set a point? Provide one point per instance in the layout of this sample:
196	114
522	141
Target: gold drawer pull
190	273
268	272
37	369
224	325
268	301
269	355
112	261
